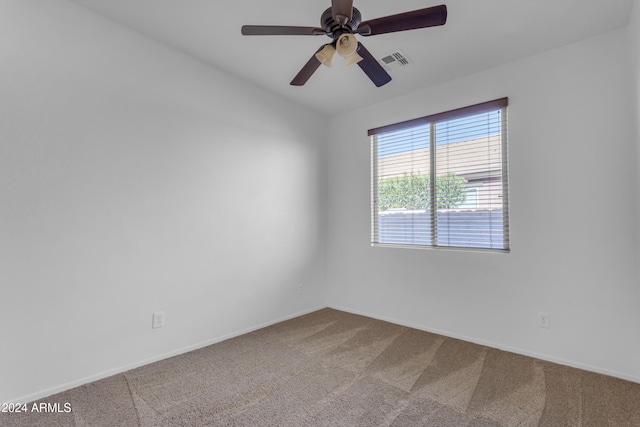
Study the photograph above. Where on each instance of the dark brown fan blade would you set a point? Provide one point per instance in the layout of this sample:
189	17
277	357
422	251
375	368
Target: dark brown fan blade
423	18
342	10
277	30
372	68
307	71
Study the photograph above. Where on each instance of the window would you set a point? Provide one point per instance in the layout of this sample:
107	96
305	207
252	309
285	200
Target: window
441	181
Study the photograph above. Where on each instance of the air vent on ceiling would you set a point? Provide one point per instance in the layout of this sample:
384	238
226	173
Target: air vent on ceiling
394	60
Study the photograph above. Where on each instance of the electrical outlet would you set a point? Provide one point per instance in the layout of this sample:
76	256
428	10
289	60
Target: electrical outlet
158	319
300	288
543	320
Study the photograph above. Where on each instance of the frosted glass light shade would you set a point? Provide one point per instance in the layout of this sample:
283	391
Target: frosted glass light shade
347	47
325	56
353	59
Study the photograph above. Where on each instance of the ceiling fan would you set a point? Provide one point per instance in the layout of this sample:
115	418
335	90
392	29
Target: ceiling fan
340	22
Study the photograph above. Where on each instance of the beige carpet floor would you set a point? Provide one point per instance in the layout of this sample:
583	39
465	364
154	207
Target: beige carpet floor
331	368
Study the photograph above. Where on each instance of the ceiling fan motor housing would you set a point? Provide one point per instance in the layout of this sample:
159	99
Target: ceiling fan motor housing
335	29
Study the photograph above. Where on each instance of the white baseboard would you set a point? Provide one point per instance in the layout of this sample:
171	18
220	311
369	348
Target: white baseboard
76	383
540	356
91	378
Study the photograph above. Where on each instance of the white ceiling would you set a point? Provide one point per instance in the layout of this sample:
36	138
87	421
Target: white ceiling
479	35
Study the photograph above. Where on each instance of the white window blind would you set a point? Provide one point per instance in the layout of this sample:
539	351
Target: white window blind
441	181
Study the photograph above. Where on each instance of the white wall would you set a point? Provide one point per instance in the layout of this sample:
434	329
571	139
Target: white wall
573	216
634	38
634	45
135	179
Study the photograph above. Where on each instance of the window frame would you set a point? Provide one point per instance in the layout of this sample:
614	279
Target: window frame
432	120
